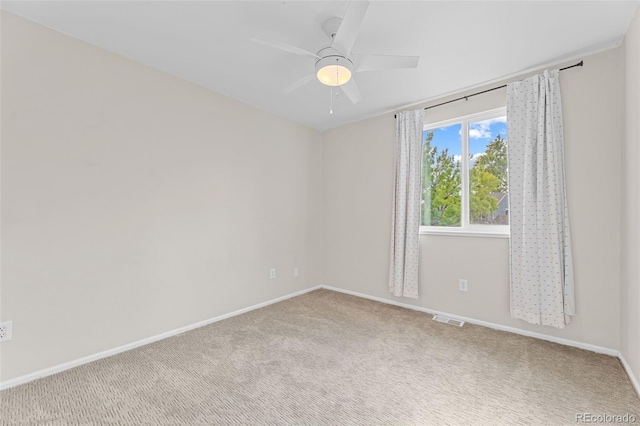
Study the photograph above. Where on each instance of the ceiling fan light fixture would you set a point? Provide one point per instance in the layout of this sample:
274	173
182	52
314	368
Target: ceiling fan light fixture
334	70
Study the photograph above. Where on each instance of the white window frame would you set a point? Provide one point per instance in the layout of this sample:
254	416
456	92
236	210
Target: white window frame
466	228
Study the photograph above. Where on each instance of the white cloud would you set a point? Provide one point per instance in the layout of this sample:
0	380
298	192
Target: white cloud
475	157
479	131
482	129
472	160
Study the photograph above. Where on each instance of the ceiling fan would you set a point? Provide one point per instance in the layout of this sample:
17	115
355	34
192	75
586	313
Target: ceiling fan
335	63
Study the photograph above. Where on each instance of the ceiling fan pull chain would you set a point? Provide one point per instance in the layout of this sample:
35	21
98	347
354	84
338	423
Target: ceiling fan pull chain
331	91
330	100
337	79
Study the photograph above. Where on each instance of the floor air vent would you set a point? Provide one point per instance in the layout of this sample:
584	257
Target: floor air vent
447	320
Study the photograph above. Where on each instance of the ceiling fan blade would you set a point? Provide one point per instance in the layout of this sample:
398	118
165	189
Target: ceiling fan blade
351	90
284	47
301	82
350	26
384	62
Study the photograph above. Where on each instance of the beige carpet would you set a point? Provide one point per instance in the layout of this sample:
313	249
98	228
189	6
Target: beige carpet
327	358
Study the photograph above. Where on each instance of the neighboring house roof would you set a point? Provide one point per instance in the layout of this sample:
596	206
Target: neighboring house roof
498	195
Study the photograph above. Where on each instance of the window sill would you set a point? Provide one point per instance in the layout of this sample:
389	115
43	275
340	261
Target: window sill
463	233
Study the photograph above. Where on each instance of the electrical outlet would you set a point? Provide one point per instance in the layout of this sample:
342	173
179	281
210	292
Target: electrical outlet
462	285
272	273
296	272
6	329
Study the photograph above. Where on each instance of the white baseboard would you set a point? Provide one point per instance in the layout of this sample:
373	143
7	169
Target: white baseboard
632	377
567	342
67	365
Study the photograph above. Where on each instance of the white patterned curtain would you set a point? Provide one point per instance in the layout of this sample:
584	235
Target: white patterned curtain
540	247
405	222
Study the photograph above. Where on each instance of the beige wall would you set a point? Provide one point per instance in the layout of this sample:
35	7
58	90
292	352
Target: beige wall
630	265
357	163
134	203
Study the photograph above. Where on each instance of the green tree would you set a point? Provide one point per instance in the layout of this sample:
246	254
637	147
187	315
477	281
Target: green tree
427	163
441	187
482	204
488	177
494	161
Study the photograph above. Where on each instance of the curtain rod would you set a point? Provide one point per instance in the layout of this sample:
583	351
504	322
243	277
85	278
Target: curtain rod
579	64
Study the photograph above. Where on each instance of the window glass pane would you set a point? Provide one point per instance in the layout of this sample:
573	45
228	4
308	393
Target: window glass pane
441	174
488	192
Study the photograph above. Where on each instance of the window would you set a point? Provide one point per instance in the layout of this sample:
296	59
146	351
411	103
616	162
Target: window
464	175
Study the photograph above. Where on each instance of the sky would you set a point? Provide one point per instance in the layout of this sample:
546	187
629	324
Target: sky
480	134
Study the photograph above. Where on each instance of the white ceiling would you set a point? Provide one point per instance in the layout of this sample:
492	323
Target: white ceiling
461	44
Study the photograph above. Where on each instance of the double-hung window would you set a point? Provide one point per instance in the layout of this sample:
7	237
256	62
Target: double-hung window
464	176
